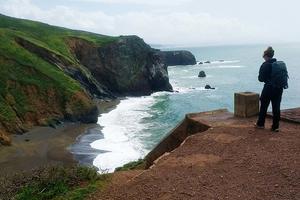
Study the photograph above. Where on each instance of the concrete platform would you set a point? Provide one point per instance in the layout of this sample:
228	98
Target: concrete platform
290	115
229	160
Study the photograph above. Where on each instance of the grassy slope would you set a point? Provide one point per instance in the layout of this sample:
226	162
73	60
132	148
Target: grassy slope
53	182
20	68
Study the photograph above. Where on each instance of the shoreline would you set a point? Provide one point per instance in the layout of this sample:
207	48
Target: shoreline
81	149
43	146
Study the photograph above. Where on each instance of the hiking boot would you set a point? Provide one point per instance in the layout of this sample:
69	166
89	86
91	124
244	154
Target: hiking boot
258	127
275	130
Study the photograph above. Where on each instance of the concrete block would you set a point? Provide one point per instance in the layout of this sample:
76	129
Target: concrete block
246	104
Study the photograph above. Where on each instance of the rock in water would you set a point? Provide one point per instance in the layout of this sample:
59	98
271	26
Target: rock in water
202	74
171	58
208	87
207	62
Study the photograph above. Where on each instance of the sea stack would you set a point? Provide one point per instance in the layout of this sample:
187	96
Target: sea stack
208	87
171	58
201	74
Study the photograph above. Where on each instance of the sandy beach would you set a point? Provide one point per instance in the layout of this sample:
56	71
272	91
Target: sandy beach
45	145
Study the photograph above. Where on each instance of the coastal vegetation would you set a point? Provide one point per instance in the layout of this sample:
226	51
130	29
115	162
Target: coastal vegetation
53	182
134	165
32	90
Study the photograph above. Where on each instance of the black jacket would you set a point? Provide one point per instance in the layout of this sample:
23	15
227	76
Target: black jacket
265	71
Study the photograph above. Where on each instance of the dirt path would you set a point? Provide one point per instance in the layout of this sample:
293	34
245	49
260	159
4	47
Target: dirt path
231	161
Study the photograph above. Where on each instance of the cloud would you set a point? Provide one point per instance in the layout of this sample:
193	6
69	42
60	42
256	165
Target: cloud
157	27
139	2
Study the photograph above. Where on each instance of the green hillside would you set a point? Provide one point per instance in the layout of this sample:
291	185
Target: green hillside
32	90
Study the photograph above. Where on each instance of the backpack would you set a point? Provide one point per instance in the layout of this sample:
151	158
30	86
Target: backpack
279	75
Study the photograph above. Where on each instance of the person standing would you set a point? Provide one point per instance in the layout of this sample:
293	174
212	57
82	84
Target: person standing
274	74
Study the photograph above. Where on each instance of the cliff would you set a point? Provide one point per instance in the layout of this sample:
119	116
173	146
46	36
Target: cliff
127	66
50	72
171	58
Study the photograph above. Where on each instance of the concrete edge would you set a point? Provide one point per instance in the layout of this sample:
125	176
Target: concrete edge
187	127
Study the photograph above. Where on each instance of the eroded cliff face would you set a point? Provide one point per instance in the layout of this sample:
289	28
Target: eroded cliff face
127	66
171	58
35	91
41	106
71	68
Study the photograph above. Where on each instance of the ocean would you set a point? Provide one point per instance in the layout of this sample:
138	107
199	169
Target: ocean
137	124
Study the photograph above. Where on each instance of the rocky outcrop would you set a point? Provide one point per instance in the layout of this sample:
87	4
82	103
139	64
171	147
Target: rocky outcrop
4	138
72	69
127	66
171	58
201	74
208	87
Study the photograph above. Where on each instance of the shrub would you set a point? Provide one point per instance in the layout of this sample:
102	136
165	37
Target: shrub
52	182
139	164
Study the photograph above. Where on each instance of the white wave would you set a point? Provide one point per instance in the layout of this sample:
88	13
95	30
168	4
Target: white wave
120	129
184	90
218	62
190	77
160	93
225	61
171	67
224	67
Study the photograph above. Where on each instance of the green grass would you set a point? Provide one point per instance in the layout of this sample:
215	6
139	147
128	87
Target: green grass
54	183
20	68
139	164
51	37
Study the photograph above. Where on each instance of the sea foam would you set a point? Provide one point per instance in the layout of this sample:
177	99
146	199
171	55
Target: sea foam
120	129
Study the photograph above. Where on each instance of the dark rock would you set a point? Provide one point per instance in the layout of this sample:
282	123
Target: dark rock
202	74
208	87
171	58
90	116
54	123
127	66
200	63
207	62
4	138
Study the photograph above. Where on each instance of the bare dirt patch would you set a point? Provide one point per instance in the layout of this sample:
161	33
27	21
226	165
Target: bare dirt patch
230	161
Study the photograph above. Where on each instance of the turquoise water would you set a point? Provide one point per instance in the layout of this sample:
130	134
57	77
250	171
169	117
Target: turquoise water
238	73
138	124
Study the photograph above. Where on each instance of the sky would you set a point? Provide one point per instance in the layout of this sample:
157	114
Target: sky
171	22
